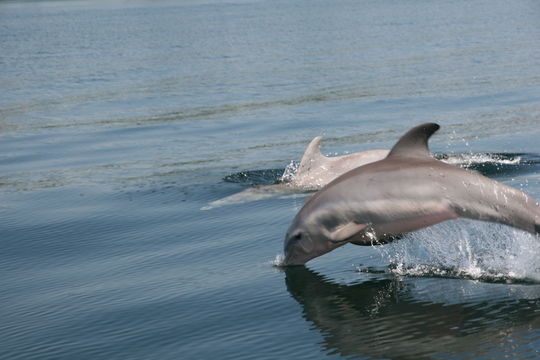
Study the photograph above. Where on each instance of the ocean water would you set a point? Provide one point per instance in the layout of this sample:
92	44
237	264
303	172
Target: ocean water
121	121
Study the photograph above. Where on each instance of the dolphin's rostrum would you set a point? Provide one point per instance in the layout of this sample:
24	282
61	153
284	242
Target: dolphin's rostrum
405	192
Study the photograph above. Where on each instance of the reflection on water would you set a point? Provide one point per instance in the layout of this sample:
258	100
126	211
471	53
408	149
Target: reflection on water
382	317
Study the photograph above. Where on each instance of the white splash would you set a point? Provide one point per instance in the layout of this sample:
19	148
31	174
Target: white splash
278	260
290	172
466	248
480	158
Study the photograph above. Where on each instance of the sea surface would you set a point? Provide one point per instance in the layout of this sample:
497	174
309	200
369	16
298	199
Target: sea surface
122	122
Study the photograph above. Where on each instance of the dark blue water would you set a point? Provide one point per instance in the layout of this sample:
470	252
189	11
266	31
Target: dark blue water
120	120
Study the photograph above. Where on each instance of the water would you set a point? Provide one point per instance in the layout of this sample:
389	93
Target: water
119	121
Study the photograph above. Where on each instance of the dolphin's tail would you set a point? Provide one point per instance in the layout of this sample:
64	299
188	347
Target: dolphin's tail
490	200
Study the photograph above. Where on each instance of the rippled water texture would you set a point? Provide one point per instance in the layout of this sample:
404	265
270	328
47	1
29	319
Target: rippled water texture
122	123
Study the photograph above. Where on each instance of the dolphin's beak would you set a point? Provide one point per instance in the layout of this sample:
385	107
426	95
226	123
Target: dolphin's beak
289	251
291	261
297	252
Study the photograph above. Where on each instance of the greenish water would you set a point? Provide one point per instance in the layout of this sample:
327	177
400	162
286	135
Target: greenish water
119	121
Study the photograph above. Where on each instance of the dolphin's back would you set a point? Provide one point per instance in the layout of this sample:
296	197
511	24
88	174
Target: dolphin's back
401	189
316	169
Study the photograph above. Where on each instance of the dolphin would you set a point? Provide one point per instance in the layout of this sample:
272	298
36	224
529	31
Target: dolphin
315	171
407	191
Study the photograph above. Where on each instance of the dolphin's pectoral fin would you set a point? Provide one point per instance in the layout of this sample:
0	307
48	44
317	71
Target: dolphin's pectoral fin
415	142
346	232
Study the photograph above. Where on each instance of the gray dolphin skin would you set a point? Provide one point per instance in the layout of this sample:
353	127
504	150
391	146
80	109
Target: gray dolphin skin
315	171
407	191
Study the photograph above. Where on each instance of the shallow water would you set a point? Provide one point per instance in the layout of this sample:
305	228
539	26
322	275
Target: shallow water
120	121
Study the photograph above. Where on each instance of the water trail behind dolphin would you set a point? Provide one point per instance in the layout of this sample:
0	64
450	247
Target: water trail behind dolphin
466	249
467	160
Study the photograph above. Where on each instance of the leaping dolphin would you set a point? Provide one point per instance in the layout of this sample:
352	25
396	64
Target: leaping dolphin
405	192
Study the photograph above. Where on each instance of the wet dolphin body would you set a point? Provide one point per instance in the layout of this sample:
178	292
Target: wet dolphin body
315	171
406	191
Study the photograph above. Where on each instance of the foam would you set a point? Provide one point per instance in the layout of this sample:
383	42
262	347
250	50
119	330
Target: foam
466	249
480	158
279	260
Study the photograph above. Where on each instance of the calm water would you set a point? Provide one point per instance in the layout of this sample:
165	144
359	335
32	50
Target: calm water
120	120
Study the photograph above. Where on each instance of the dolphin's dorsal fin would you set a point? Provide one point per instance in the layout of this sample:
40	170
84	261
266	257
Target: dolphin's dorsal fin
415	142
312	155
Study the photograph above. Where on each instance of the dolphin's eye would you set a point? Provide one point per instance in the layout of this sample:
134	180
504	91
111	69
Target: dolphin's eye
297	236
